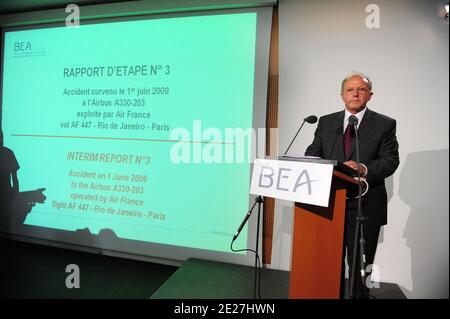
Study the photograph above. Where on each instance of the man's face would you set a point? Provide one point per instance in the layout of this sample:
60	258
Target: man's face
356	94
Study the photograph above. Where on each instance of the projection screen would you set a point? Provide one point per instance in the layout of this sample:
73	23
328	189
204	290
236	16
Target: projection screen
136	135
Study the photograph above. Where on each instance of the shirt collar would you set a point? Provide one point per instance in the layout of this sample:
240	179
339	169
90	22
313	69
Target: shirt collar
359	115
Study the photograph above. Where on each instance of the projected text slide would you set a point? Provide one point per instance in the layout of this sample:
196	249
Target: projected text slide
89	113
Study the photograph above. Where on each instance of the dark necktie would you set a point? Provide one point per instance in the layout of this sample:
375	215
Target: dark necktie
348	138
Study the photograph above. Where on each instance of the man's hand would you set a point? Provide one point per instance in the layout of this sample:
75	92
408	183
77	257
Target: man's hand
362	168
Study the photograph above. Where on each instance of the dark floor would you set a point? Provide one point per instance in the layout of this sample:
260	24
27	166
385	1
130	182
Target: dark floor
36	271
203	279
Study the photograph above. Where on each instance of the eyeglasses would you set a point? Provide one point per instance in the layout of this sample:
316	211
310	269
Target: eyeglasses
357	90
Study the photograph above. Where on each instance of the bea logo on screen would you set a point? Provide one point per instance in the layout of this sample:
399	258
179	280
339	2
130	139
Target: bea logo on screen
22	46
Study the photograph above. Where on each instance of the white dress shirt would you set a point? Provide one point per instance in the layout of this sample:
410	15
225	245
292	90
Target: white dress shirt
359	115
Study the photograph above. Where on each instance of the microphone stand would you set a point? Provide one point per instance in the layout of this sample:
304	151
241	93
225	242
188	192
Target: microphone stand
258	200
359	231
294	138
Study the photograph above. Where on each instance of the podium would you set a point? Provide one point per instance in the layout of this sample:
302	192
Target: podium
317	244
319	189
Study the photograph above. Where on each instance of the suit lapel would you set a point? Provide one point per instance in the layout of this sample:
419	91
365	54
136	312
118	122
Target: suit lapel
339	145
364	129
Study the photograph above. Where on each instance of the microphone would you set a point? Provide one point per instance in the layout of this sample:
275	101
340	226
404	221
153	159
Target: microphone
311	120
257	200
353	120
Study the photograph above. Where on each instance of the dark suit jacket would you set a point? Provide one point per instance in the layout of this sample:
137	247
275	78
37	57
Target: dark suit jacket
378	150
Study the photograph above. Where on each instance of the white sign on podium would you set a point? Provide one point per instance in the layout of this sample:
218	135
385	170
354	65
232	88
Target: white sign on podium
298	181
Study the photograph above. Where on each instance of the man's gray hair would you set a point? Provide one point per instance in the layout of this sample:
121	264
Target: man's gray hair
363	76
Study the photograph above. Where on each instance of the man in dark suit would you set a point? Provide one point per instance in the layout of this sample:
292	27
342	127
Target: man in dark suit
378	151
